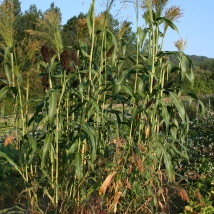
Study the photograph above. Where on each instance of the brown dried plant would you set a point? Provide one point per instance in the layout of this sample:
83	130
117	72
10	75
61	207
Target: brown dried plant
49	29
9	139
182	193
107	182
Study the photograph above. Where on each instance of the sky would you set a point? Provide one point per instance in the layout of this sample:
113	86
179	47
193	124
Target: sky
196	26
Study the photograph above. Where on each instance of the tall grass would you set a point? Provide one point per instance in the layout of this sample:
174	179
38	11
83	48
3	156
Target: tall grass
96	141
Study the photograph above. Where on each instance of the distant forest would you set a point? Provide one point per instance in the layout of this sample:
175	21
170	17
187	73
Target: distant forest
204	74
73	30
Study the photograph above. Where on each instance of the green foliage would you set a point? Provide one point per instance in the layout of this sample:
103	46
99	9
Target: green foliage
75	148
198	172
11	183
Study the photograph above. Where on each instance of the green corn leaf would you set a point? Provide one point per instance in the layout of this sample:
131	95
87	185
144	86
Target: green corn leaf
176	123
179	105
90	112
129	90
73	147
190	74
121	62
33	144
174	131
4	91
12	163
83	49
140	90
52	107
46	147
169	22
96	107
71	76
167	161
91	133
7	71
142	35
202	107
193	95
53	65
89	17
166	116
78	165
120	82
84	53
134	113
41	63
181	153
138	68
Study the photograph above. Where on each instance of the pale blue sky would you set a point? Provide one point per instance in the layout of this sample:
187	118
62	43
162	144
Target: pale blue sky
197	24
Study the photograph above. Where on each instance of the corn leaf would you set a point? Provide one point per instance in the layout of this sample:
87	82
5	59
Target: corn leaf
178	105
165	115
142	35
12	163
169	22
91	133
120	82
33	144
73	147
4	91
78	165
167	161
7	71
46	147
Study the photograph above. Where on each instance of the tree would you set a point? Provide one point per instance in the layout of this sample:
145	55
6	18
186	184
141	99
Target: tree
55	9
69	31
17	6
27	21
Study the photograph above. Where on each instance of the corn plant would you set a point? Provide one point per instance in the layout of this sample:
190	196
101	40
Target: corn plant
97	135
